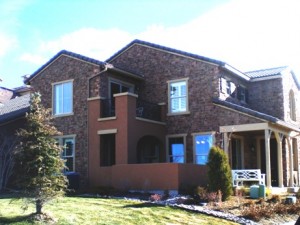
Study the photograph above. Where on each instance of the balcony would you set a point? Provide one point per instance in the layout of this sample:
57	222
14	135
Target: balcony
144	109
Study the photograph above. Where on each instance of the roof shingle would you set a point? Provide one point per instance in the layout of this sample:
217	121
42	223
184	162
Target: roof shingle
266	72
14	108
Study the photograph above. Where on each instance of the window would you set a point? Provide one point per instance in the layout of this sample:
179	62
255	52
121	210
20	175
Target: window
178	98
292	106
228	87
176	149
107	149
202	143
63	98
119	87
242	94
68	153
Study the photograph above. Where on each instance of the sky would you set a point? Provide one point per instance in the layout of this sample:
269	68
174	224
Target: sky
246	34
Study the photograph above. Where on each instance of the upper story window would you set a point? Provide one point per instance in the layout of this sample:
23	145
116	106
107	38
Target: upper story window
242	94
63	98
116	87
227	87
178	96
292	105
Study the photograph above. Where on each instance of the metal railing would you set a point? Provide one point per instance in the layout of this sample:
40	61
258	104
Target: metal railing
148	110
107	108
144	109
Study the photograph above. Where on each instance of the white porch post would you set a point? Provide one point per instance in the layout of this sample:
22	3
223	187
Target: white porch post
268	158
291	163
226	143
279	137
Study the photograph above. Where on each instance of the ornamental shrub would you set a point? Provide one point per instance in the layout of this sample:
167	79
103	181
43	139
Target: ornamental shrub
219	172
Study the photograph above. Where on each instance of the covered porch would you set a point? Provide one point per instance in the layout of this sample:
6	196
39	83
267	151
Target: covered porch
272	148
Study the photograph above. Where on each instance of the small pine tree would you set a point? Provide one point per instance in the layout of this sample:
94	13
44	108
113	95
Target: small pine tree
38	158
219	172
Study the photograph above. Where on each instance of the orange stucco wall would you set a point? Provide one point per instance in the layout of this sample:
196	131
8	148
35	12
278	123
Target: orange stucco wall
126	173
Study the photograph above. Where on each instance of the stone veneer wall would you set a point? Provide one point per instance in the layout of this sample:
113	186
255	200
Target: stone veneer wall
158	67
267	97
67	68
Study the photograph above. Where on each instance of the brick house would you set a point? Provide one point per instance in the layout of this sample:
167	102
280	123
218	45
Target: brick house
146	118
14	103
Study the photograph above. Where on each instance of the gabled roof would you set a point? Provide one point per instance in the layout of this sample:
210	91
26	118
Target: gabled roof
254	113
179	52
66	53
266	72
14	108
182	53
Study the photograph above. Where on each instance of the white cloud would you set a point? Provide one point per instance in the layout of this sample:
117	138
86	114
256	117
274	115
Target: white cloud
247	34
33	58
9	10
7	43
96	43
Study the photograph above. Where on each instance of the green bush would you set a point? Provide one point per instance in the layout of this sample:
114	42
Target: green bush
219	173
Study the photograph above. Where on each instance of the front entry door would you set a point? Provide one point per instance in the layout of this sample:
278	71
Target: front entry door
273	158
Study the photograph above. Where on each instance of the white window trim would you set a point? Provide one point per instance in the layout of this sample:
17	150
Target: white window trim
60	142
194	142
167	145
123	83
170	113
62	114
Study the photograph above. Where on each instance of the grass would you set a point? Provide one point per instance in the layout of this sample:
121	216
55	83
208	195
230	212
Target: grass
76	210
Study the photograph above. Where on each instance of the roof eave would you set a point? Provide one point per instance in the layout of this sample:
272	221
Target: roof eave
129	74
57	56
235	71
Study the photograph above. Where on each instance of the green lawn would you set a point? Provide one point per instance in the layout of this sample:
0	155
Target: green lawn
76	210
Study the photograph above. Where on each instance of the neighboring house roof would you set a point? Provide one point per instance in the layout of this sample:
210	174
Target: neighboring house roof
14	108
22	90
179	52
266	72
5	94
253	113
67	53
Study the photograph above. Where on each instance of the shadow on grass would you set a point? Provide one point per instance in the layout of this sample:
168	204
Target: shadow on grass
15	219
143	205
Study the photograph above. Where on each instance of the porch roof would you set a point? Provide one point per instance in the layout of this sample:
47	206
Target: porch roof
254	113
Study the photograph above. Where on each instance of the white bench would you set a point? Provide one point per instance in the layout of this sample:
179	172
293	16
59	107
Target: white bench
239	176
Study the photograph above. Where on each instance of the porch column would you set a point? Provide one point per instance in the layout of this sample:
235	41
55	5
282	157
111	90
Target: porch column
291	163
226	143
279	137
268	158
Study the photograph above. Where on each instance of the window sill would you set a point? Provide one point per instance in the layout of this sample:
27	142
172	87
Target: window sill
62	115
179	113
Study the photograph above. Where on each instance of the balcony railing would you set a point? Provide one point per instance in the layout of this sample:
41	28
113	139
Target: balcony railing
144	109
148	110
107	108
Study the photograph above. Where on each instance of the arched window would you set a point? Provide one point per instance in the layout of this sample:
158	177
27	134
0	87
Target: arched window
148	150
292	105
